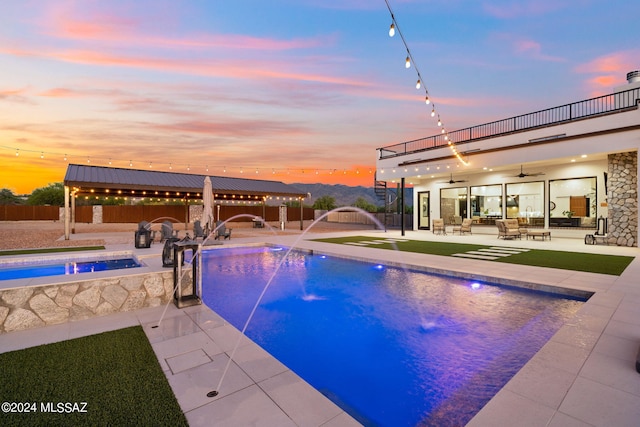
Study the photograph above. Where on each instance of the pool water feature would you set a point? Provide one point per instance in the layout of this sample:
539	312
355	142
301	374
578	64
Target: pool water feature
391	347
66	267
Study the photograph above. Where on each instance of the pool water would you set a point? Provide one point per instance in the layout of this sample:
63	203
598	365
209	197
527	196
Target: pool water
391	347
23	271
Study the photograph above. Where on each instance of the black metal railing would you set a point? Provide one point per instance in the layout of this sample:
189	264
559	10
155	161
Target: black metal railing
616	102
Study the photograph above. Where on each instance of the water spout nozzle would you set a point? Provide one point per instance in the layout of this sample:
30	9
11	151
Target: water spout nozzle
213	393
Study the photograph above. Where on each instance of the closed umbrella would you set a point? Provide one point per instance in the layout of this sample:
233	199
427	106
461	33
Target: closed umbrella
207	201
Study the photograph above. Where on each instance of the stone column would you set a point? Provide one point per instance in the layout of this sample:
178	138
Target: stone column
622	198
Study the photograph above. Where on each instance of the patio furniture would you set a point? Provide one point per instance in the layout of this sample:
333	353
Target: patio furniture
539	233
258	222
222	231
198	231
438	226
167	231
464	227
508	229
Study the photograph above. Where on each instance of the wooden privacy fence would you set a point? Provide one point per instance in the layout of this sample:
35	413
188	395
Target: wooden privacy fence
29	213
270	213
135	214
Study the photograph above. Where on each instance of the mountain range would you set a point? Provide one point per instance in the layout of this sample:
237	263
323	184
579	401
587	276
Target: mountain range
345	195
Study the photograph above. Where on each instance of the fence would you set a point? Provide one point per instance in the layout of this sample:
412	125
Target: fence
29	213
135	214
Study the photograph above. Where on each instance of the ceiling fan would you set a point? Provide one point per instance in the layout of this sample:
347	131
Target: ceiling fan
452	181
524	175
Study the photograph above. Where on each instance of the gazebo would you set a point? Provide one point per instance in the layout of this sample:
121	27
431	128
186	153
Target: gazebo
102	180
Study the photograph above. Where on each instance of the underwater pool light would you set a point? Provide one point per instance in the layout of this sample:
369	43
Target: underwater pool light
379	267
475	285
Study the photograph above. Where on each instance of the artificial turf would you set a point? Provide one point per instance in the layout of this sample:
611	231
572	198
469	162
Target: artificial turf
114	376
50	250
578	261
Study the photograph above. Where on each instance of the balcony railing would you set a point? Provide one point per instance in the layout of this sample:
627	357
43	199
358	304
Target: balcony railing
616	102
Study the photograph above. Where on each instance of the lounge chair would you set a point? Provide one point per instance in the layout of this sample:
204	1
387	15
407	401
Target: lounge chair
464	227
198	231
222	231
509	229
438	226
168	231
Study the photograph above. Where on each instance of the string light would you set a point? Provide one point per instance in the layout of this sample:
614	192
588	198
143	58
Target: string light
98	161
392	30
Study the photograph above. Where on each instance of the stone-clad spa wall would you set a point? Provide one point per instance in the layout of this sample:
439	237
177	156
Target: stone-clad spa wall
36	306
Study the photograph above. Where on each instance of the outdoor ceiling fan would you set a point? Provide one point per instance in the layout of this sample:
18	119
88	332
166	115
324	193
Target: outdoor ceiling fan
452	181
524	175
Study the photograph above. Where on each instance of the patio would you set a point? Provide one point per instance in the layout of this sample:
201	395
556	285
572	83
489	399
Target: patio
584	375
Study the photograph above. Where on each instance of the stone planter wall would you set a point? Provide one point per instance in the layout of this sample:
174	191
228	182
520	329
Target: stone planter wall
622	199
33	307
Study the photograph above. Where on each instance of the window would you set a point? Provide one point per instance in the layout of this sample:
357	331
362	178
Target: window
486	203
453	204
573	202
525	201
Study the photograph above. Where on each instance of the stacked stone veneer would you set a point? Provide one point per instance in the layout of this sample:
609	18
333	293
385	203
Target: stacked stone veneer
622	199
32	307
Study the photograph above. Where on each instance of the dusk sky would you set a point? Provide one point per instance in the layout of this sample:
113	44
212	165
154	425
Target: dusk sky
289	90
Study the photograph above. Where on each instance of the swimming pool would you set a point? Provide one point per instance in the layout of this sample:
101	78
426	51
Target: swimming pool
389	346
65	267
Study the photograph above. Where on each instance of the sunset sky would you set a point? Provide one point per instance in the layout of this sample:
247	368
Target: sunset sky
290	90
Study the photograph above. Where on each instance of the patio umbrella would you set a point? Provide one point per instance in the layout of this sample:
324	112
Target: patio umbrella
207	201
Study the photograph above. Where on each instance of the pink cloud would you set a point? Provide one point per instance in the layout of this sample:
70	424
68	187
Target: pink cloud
109	28
243	69
608	70
15	95
533	49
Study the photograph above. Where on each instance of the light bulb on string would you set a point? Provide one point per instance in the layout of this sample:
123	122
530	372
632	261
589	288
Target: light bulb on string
407	62
427	100
439	121
418	84
17	152
392	30
42	155
433	111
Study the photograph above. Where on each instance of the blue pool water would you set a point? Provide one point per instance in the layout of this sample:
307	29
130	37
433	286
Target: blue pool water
64	268
391	347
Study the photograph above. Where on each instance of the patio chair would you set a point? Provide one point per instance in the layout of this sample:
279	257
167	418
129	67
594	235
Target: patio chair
167	231
198	231
438	226
222	231
465	227
508	229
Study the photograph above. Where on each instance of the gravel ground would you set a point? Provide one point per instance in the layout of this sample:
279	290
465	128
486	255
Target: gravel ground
50	234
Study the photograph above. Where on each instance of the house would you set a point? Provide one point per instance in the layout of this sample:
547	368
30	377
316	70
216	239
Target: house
567	168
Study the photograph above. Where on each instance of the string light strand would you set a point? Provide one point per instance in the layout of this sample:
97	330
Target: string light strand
395	28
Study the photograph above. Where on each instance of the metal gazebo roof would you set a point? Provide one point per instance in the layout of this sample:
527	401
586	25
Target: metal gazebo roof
103	180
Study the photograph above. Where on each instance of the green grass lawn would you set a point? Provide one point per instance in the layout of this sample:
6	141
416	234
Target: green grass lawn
15	252
115	373
578	261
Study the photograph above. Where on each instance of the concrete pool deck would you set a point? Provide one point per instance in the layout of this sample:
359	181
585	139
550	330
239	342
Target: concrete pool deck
584	376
